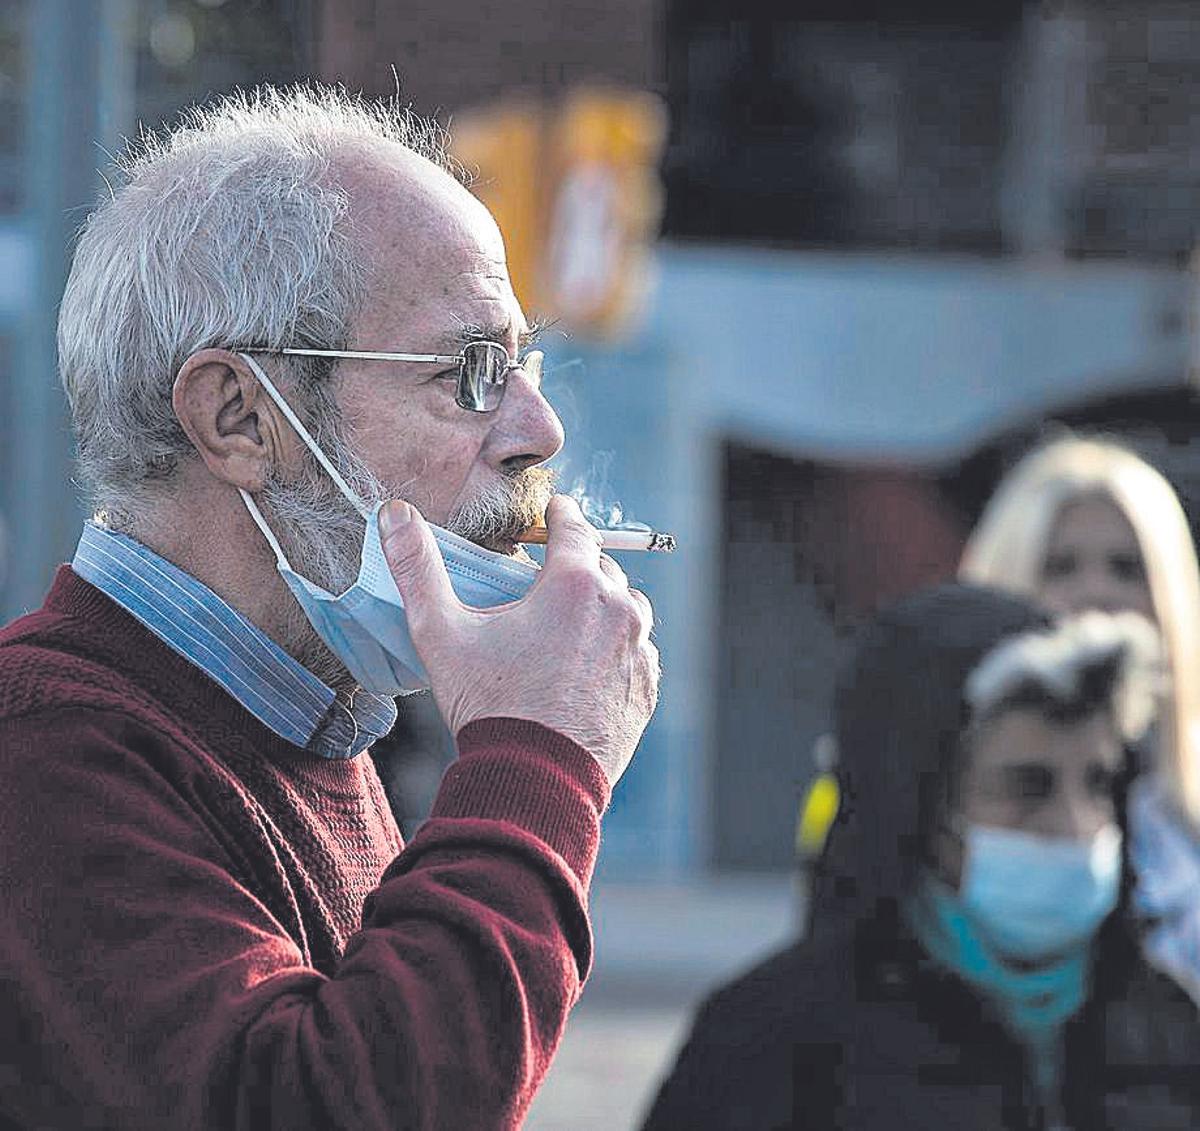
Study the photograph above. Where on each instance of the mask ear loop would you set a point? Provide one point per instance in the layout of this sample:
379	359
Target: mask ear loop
261	523
312	445
304	435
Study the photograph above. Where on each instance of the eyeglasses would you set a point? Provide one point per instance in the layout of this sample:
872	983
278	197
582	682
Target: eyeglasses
483	369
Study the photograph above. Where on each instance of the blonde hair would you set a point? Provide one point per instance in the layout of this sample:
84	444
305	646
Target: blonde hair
1008	550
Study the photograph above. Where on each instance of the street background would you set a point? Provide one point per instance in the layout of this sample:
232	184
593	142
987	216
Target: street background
818	279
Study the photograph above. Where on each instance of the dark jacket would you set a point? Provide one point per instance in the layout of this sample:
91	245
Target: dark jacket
804	1040
856	1028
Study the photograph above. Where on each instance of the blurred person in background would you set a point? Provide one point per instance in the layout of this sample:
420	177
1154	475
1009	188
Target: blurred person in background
965	967
1083	523
208	917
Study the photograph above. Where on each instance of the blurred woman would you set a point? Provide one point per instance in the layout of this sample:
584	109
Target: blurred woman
965	967
1086	523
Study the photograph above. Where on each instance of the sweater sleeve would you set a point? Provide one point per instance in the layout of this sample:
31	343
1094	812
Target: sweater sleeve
143	984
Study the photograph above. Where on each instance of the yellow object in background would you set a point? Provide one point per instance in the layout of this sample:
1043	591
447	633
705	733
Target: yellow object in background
577	196
818	811
606	207
503	149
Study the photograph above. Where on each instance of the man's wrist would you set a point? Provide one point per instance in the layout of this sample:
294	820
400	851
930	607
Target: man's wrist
523	773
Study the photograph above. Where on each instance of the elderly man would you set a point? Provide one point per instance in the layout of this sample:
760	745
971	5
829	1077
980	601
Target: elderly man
207	916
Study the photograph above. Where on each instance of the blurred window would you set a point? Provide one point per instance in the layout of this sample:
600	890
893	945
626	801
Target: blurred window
1135	142
1000	127
844	125
811	549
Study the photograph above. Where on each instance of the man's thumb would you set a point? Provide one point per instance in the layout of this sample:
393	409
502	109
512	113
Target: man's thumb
416	564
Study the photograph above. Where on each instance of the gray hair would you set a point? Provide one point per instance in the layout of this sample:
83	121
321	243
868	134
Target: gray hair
231	228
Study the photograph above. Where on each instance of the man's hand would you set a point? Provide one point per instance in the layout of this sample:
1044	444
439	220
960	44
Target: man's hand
574	654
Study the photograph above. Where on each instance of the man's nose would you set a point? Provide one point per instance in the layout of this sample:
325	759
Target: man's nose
526	429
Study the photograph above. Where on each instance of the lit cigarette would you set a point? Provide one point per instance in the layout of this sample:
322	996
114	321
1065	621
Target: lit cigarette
651	541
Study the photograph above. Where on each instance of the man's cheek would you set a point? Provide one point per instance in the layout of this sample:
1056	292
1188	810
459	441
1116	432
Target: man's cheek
456	464
448	482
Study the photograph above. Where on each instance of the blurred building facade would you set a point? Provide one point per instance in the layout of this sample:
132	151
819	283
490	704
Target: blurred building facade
895	238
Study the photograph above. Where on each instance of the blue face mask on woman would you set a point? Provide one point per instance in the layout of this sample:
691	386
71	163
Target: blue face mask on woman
1033	897
365	627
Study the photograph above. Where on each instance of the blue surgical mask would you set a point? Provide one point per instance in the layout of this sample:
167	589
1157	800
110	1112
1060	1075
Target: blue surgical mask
1033	896
365	627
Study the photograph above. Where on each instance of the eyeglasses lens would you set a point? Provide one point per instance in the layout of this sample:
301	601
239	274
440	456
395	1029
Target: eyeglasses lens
532	364
482	374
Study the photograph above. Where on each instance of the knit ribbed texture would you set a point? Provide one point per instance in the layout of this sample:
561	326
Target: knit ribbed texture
497	778
193	927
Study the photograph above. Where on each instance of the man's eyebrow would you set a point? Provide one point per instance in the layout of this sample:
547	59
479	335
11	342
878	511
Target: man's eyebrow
472	332
467	332
538	325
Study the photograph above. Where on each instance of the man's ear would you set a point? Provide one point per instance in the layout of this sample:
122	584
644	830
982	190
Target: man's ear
229	419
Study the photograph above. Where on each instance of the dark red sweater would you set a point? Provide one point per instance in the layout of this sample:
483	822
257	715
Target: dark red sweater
194	931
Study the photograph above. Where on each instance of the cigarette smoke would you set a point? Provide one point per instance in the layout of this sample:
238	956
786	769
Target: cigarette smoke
597	508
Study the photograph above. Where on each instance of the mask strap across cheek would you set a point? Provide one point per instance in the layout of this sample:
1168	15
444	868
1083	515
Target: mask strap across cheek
310	443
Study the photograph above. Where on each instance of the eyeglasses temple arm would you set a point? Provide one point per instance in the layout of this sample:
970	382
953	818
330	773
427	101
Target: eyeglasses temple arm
366	355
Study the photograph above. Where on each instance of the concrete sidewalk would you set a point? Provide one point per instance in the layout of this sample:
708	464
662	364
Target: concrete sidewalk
659	951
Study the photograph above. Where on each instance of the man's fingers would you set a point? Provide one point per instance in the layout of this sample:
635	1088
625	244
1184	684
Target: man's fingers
571	536
645	609
643	603
416	564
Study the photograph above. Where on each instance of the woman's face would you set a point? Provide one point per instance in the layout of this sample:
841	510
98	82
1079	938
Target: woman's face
1093	561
